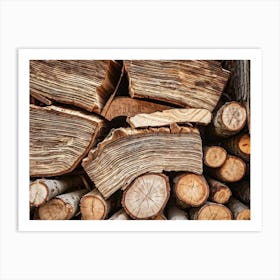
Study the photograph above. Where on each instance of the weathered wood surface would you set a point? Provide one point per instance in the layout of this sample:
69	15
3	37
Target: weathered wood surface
60	138
240	211
122	106
134	152
167	117
83	83
214	156
147	196
219	192
193	83
241	190
42	190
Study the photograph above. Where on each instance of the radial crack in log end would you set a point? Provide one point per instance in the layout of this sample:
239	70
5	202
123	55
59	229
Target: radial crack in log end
60	138
128	153
187	83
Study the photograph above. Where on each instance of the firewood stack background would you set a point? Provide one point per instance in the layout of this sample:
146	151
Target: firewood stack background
140	139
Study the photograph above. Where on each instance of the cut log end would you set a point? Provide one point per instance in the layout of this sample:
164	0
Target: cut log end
146	196
214	211
192	189
92	208
244	215
38	193
214	156
56	209
222	196
244	144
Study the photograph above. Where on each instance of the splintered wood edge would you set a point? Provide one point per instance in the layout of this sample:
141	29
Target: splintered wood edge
202	214
119	133
167	185
38	189
94	119
96	203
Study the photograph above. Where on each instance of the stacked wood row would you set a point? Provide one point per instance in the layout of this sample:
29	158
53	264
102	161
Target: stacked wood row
139	140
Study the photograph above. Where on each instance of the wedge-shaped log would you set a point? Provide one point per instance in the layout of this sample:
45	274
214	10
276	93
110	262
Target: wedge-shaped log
122	106
60	138
63	207
191	189
214	156
166	117
127	153
147	196
187	83
42	190
240	211
84	83
219	192
211	211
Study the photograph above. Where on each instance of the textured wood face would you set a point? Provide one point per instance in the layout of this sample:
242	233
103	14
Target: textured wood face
59	139
128	153
187	83
83	83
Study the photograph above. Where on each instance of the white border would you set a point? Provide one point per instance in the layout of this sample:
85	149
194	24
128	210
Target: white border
255	224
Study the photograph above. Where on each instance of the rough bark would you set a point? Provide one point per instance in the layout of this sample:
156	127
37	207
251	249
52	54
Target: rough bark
120	215
210	211
147	196
239	145
219	192
193	83
191	189
128	107
134	152
65	135
241	190
166	117
214	156
63	207
42	190
83	83
239	210
229	119
93	206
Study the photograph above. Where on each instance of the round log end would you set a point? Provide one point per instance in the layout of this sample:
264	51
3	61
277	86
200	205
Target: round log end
192	189
214	156
244	144
38	193
222	195
244	215
92	208
214	211
55	209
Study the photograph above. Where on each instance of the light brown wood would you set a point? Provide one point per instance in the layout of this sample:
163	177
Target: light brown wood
83	83
93	206
191	83
60	138
219	192
229	119
214	156
175	213
240	211
42	190
239	145
147	196
191	189
63	207
231	171
122	106
120	215
210	211
134	152
36	94
241	190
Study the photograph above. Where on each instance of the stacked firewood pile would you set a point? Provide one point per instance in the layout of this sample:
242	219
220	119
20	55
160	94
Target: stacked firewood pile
139	139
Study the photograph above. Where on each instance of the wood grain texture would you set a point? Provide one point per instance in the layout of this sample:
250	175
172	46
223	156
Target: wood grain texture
133	152
214	156
166	117
240	211
83	83
219	192
187	83
60	138
128	107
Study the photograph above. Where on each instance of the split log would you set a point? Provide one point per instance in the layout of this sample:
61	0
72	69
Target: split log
83	83
239	145
241	190
238	209
229	119
214	156
120	215
219	192
166	117
60	138
134	152
174	213
63	207
231	171
42	190
147	196
187	83
35	94
128	107
191	189
210	211
94	207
